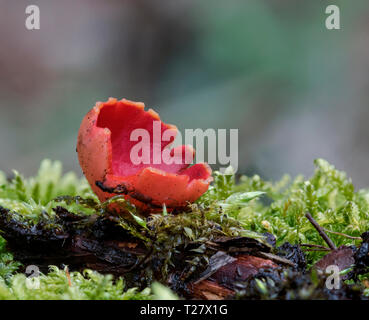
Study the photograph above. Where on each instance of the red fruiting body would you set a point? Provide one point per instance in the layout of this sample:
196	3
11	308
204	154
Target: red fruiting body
104	151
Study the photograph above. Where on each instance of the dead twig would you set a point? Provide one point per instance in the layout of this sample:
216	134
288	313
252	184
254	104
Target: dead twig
276	258
318	246
343	234
321	232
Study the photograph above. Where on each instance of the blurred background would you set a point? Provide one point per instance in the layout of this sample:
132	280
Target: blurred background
295	90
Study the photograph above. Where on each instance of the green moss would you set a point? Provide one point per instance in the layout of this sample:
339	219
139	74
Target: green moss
56	286
328	195
247	208
35	197
7	265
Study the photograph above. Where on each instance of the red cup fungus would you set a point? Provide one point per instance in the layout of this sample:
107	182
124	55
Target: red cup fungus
105	143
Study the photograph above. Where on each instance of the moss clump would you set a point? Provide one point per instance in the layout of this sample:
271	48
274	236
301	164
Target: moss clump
60	284
250	208
328	195
35	197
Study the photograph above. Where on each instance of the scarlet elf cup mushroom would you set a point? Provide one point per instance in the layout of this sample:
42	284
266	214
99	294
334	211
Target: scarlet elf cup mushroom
106	139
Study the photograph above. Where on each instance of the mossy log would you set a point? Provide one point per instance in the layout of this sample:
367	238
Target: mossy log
98	243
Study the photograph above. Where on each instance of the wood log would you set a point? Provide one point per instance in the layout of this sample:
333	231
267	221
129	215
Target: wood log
98	243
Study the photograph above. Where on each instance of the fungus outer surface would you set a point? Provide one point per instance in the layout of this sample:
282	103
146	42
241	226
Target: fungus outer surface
104	149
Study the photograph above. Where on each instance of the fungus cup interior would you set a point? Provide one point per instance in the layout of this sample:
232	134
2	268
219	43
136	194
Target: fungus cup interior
122	118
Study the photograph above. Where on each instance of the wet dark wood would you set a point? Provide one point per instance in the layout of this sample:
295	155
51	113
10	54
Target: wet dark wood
97	243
